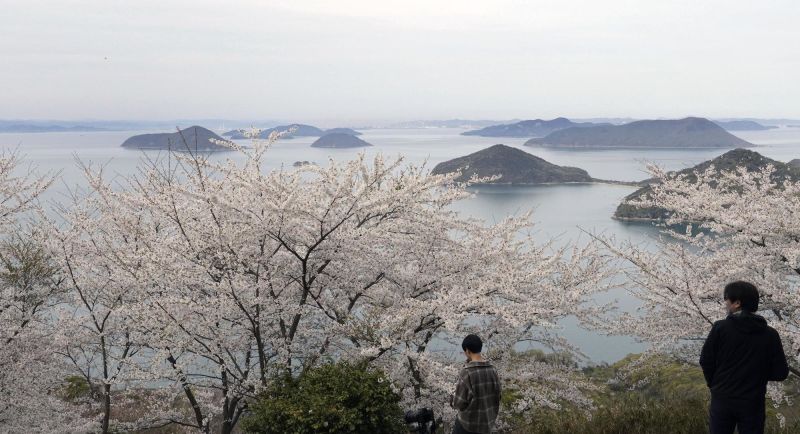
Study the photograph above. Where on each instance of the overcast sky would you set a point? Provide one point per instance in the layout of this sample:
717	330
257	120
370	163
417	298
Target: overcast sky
363	60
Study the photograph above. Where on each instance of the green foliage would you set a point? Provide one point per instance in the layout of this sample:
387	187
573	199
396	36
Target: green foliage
562	359
631	413
652	378
626	414
656	395
76	387
26	266
333	398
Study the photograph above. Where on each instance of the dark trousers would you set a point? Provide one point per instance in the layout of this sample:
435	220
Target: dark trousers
746	415
458	429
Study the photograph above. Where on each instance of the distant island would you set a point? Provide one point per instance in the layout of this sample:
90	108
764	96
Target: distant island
649	134
743	126
752	161
339	140
189	139
350	131
530	128
301	130
515	167
28	128
447	123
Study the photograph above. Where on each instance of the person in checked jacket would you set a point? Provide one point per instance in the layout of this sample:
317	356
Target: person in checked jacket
477	396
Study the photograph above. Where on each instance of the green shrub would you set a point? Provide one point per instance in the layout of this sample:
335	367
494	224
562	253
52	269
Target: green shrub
660	395
633	414
333	398
627	414
75	388
655	377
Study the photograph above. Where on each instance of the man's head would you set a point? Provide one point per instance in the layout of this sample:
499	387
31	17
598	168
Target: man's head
741	295
472	346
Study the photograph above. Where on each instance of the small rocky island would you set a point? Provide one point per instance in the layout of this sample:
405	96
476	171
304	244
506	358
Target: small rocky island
190	139
529	128
339	140
688	133
752	161
515	167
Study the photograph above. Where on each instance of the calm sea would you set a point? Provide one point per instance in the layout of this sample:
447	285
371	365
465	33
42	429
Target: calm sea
560	211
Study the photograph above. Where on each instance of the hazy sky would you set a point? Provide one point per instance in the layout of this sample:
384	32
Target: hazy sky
360	60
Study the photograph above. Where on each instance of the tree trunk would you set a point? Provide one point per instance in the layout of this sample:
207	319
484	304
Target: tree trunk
106	387
106	407
229	415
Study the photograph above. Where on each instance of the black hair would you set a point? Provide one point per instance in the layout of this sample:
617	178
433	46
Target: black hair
472	343
744	292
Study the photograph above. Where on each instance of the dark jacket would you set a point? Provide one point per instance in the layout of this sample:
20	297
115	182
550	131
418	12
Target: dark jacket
477	397
740	355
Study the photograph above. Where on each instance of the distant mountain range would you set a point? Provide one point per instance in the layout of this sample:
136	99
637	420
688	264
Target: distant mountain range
339	140
743	126
682	133
514	166
530	128
752	161
190	139
447	123
55	125
301	130
540	128
27	128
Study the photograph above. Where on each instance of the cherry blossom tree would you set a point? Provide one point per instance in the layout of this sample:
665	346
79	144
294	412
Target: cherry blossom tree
723	226
32	377
94	332
216	276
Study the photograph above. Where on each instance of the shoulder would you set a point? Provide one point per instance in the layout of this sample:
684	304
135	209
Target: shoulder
720	324
772	332
482	371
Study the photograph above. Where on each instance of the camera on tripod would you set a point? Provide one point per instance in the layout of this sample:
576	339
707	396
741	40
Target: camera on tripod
421	421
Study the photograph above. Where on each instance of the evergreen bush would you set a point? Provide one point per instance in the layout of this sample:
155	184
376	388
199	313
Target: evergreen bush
332	398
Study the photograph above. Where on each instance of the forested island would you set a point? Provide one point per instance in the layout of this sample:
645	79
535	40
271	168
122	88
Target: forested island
194	138
514	166
529	128
750	160
648	134
339	140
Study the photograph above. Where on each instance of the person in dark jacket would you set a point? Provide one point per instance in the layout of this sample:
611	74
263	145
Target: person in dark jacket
741	354
477	396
